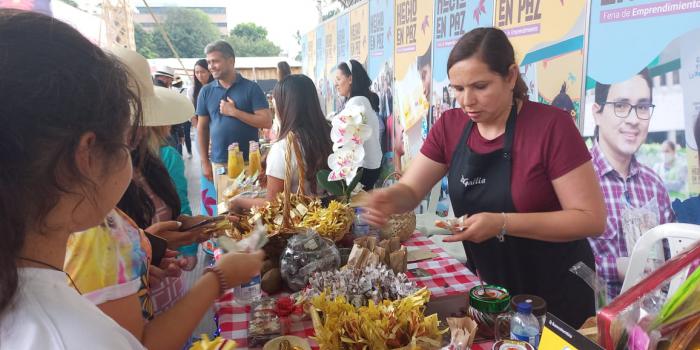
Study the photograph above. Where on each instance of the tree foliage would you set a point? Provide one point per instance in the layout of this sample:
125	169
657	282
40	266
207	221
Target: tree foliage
249	39
190	30
144	42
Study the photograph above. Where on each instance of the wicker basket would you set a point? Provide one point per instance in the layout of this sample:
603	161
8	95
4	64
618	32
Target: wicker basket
278	240
400	225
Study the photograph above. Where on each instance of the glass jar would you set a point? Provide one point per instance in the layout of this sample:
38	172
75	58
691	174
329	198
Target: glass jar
486	303
305	254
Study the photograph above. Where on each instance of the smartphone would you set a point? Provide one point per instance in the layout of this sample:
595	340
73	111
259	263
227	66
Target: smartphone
203	223
158	247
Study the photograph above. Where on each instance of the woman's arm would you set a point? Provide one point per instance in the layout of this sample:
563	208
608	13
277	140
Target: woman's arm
414	185
171	329
274	186
583	214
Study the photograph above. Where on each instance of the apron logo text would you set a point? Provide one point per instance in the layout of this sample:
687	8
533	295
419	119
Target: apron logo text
471	182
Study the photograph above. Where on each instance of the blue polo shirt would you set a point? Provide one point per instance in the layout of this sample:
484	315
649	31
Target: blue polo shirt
225	130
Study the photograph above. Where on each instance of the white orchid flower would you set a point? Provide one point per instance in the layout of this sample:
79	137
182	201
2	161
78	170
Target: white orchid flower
352	135
344	163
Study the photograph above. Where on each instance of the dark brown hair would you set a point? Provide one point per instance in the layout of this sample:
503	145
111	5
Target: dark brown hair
491	46
56	87
602	90
197	84
283	70
300	112
360	82
135	202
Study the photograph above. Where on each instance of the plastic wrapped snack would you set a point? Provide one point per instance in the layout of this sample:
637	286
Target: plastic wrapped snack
264	323
305	254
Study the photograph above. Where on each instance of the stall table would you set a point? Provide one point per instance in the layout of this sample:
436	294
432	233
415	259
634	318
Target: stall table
448	276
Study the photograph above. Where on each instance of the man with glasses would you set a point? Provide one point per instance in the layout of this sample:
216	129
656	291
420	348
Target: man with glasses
635	196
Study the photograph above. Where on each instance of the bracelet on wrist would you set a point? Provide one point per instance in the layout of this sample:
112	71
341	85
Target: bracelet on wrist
223	285
501	235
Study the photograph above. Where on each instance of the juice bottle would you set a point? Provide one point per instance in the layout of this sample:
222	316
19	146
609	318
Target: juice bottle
254	162
235	163
241	161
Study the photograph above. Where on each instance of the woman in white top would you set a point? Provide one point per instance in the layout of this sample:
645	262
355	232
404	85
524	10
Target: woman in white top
352	82
299	113
64	164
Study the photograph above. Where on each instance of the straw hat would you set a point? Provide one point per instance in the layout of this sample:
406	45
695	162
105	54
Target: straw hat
161	106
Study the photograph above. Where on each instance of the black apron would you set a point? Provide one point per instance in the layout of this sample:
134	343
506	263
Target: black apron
482	183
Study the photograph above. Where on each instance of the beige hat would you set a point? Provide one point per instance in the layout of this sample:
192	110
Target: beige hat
161	106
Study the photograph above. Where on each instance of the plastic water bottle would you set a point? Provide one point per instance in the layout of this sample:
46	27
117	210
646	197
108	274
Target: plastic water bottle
524	325
360	228
247	292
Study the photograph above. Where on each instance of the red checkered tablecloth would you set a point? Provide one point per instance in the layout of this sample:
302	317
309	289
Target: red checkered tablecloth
447	277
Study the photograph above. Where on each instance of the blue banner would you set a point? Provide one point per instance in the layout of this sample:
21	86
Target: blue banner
343	28
625	36
380	66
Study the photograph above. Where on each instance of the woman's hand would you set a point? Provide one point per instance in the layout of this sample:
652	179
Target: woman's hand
234	205
169	230
169	266
239	268
377	205
477	228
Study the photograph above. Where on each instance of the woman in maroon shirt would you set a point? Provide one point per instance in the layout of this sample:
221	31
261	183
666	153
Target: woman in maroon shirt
520	173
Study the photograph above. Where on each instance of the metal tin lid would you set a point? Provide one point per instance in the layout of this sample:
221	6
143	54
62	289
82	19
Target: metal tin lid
489	299
539	305
507	344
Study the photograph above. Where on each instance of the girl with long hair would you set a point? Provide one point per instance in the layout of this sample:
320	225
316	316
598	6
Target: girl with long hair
299	113
201	76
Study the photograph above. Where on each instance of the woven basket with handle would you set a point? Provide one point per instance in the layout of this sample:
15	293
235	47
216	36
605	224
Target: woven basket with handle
278	240
400	225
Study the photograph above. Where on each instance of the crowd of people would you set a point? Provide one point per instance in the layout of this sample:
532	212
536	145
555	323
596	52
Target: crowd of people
96	218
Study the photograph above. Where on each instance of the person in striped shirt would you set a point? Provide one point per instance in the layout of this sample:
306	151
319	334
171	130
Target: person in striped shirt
635	196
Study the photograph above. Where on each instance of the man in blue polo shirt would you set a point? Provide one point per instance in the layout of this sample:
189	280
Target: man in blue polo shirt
230	109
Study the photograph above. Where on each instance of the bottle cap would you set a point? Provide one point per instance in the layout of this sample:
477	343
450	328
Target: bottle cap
524	308
233	146
539	305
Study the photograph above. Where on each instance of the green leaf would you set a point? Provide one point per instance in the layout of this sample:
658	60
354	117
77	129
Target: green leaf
334	187
354	182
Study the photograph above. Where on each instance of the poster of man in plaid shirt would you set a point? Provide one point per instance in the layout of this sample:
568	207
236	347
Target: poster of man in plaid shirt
635	196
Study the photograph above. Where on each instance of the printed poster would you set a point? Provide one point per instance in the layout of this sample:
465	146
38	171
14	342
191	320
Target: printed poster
320	65
331	59
413	21
359	27
548	38
380	67
306	53
343	38
650	48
